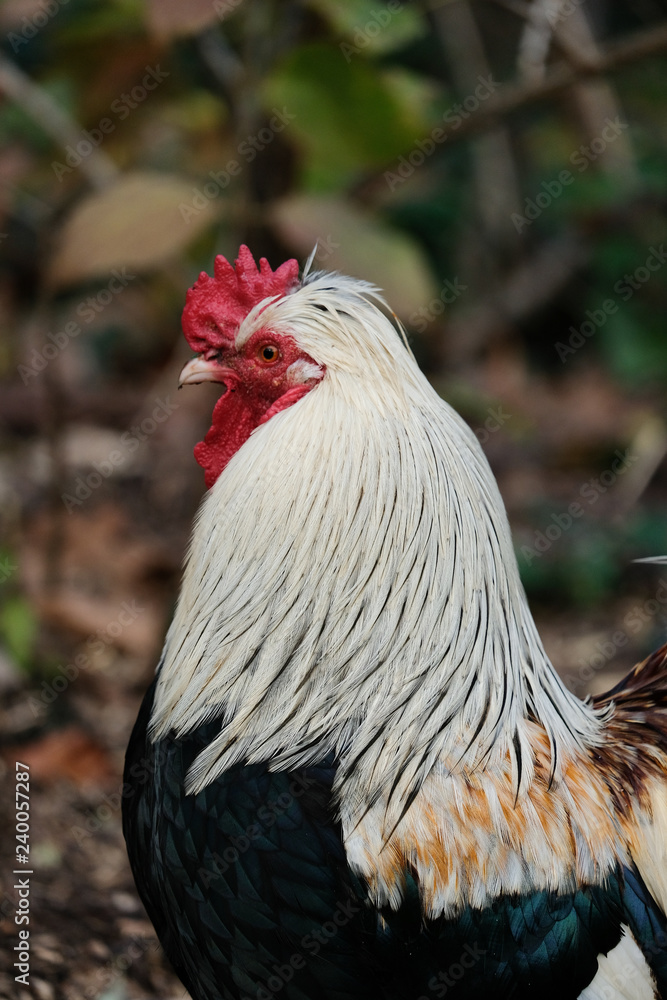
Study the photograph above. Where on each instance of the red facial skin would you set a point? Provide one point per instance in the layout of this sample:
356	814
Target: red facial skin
258	387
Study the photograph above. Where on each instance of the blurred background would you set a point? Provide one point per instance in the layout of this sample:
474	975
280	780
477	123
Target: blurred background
497	166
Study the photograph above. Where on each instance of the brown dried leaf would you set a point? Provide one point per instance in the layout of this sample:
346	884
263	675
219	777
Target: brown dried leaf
356	243
67	753
172	18
136	223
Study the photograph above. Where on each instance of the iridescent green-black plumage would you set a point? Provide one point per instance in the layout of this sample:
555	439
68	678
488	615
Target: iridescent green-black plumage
249	889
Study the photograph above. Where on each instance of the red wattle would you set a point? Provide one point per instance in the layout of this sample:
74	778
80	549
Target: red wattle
235	416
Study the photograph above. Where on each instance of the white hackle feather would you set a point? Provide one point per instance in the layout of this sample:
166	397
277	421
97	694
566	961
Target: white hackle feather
351	584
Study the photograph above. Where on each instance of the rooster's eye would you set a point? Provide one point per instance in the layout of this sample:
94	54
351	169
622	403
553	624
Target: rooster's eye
268	353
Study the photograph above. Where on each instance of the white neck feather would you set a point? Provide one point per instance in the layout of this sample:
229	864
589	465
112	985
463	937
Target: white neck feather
352	586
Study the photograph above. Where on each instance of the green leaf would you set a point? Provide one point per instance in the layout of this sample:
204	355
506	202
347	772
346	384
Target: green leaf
617	254
91	22
634	345
348	119
18	628
372	27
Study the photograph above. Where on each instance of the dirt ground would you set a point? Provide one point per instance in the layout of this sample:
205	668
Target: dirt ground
89	935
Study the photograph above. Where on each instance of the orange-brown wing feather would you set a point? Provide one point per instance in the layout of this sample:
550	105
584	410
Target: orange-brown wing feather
634	763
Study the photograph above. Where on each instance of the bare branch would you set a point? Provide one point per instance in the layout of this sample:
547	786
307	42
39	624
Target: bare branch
497	191
529	287
40	106
594	99
513	97
536	38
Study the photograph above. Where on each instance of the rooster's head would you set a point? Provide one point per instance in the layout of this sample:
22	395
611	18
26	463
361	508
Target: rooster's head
264	371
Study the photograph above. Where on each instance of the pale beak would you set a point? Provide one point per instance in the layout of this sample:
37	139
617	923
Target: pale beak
200	370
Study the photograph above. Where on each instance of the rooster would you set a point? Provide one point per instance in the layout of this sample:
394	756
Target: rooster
357	773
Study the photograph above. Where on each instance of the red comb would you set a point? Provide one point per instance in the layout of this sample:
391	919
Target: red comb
215	307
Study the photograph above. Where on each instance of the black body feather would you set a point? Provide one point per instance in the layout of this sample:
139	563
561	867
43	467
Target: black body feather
249	889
